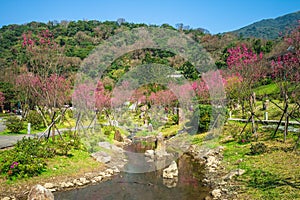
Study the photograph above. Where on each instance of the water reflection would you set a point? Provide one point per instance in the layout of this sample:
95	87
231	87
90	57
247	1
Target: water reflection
145	186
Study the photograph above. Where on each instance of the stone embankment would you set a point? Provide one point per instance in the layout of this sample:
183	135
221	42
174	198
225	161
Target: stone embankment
216	176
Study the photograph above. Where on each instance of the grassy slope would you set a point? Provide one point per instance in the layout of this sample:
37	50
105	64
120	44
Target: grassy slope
272	175
267	89
59	169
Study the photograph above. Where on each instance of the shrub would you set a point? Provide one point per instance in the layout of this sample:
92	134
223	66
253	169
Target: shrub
14	124
173	119
34	147
28	157
21	165
206	116
108	130
258	148
245	137
201	118
35	119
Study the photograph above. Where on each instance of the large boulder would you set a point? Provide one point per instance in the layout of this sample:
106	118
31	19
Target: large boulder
160	150
171	171
170	183
216	193
38	192
105	145
149	154
233	173
102	156
111	147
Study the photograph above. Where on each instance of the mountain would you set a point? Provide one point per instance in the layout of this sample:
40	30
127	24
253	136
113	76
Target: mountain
269	28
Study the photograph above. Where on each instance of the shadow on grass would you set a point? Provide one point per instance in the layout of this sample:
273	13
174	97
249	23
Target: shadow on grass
265	180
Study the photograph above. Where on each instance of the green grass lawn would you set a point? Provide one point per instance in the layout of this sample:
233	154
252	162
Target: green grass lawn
22	132
274	113
70	123
270	89
59	169
271	175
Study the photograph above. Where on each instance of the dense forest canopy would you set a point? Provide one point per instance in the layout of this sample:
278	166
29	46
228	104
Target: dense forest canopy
75	40
270	28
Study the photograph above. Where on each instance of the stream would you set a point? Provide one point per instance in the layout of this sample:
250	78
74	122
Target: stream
146	186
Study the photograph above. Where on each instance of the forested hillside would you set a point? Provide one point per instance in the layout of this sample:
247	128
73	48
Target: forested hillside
74	40
269	28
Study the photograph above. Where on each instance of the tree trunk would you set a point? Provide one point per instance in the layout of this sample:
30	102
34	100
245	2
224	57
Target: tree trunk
243	108
39	110
286	114
252	116
53	126
177	110
53	132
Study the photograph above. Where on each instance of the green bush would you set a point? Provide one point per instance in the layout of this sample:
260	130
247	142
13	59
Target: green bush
201	118
35	148
108	130
173	119
35	119
28	157
258	148
206	116
25	160
14	124
245	137
21	165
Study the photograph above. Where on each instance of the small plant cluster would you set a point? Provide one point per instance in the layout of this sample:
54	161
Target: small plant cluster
109	130
245	137
28	157
14	124
201	118
258	148
34	118
172	120
91	141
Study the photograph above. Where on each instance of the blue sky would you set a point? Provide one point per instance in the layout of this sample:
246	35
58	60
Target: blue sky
215	15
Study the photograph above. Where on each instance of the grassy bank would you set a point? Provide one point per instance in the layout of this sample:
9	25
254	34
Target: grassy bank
273	174
59	169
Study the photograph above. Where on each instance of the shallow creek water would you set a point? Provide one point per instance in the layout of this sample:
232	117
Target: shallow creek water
131	185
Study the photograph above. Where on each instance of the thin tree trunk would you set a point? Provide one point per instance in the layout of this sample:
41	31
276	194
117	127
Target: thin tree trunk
245	125
290	114
42	115
243	108
53	126
286	114
278	125
252	116
177	110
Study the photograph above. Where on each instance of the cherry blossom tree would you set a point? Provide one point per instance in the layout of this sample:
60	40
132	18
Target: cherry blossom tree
243	62
232	83
201	90
44	55
83	96
90	98
42	83
51	92
286	72
102	97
